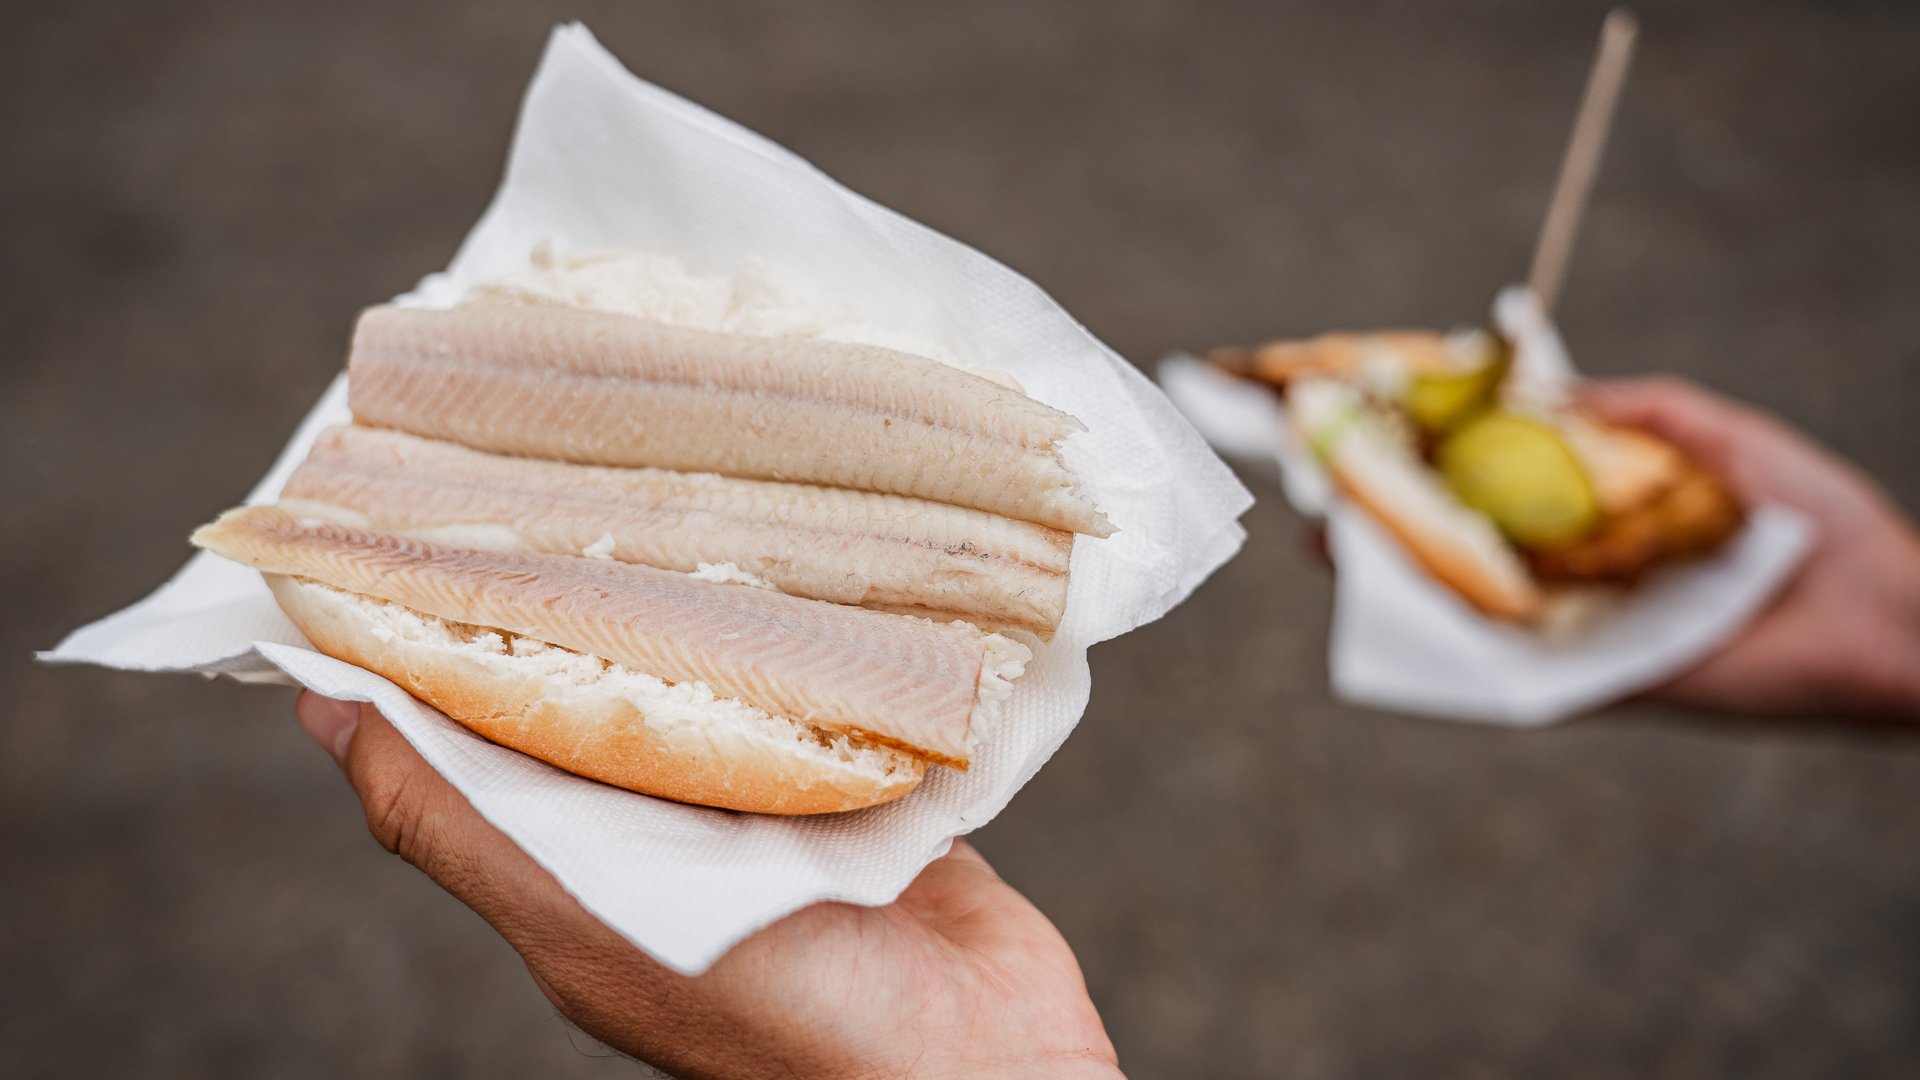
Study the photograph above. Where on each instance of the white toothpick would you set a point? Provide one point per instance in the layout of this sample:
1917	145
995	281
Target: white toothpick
1584	149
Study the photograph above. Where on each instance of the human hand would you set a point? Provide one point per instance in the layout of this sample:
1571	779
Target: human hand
1844	635
959	977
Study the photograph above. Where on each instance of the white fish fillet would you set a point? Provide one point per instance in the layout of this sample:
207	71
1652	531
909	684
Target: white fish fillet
603	389
850	547
909	683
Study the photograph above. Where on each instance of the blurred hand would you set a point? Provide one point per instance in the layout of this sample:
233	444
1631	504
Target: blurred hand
1844	635
959	977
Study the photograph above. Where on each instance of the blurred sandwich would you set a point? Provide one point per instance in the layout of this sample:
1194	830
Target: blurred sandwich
1508	500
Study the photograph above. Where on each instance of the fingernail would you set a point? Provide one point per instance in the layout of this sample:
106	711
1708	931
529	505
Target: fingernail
330	723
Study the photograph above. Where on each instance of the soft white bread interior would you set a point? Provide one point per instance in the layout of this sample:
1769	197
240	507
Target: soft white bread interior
1377	468
599	719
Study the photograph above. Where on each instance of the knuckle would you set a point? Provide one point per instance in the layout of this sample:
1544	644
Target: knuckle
395	814
1676	387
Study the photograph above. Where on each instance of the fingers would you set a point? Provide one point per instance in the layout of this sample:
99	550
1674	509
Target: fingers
1646	398
1759	455
1704	425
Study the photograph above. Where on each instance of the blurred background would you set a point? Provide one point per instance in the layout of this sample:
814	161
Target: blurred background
198	196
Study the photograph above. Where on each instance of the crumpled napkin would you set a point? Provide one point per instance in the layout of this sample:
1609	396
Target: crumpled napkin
1405	642
602	159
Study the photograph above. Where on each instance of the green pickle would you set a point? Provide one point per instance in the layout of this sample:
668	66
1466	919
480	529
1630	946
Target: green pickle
1439	401
1520	473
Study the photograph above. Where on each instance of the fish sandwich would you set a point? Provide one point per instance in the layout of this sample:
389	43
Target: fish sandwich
1521	504
735	559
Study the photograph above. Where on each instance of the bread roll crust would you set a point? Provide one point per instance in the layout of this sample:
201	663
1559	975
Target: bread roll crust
1455	564
592	729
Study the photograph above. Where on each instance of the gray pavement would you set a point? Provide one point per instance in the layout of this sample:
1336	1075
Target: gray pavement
196	198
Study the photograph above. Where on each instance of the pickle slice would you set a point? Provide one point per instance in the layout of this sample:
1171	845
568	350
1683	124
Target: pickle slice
1439	401
1520	473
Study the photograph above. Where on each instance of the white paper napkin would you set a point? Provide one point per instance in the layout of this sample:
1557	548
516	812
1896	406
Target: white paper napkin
602	159
1403	641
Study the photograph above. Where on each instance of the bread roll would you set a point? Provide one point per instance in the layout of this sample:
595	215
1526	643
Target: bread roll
599	719
1380	471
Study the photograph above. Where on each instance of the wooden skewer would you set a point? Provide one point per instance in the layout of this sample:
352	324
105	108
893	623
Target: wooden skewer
1582	163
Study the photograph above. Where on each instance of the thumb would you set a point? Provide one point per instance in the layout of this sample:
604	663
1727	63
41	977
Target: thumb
1712	429
416	814
328	722
410	809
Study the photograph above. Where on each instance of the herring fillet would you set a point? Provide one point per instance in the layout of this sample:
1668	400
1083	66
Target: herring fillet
905	682
603	389
848	547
